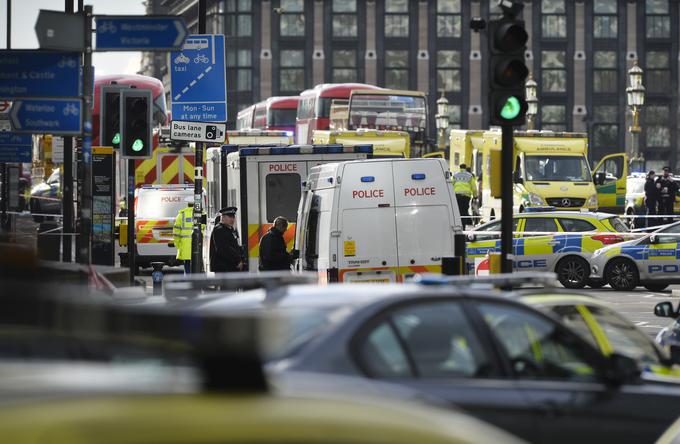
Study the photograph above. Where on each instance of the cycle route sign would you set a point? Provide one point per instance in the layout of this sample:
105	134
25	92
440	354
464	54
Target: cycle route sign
198	77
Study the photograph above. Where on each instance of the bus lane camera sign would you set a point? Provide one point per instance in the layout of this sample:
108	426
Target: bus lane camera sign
198	77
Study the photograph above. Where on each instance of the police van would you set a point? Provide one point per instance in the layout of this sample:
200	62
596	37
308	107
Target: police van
264	182
381	220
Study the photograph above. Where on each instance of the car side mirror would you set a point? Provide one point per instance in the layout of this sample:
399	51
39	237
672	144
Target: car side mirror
665	310
622	369
653	239
517	178
471	237
599	178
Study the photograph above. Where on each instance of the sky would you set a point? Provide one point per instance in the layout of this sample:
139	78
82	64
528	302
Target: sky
25	14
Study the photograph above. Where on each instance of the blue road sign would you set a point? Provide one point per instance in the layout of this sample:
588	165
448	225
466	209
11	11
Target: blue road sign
39	74
198	78
15	148
48	116
140	32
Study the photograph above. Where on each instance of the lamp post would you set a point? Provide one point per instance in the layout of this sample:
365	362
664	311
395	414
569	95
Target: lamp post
635	98
531	88
442	121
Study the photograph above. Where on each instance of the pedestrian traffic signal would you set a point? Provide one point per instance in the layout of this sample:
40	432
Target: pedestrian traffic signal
136	136
109	112
507	71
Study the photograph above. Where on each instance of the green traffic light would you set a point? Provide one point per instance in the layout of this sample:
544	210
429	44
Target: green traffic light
137	145
511	109
116	139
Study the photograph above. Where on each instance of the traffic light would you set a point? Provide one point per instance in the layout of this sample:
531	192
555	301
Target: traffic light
109	112
136	136
507	71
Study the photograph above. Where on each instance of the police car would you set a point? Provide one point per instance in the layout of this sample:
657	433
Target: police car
566	252
652	261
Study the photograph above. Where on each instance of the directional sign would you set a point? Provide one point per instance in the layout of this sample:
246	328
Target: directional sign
15	148
199	88
197	131
47	116
39	74
140	32
60	30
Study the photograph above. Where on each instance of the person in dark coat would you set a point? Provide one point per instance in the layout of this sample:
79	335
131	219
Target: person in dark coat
273	254
668	189
651	198
225	251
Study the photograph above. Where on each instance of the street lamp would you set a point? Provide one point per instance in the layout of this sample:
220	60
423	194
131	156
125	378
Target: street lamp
635	98
442	121
531	88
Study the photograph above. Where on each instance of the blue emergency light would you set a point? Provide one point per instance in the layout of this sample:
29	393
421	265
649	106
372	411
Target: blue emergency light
418	176
538	209
368	179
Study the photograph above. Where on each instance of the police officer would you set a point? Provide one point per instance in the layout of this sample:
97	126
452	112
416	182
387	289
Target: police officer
225	251
273	254
181	235
465	187
651	198
667	192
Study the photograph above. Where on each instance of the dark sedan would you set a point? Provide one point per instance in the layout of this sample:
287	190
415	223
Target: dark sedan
494	356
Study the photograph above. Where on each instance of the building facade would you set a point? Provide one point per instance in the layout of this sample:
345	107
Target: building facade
579	52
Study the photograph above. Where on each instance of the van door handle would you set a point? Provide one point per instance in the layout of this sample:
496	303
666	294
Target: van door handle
553	243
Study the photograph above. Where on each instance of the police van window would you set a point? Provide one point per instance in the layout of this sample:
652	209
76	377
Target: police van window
540	224
613	168
576	225
618	225
283	195
536	348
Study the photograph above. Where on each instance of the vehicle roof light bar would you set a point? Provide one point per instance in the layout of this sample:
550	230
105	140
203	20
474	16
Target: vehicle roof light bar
546	280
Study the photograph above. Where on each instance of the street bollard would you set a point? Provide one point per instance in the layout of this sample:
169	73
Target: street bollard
157	278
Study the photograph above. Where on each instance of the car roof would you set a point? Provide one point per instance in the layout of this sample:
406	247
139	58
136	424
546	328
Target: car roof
552	297
572	214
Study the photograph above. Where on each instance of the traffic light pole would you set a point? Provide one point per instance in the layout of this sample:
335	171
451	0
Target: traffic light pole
85	238
506	198
131	219
67	186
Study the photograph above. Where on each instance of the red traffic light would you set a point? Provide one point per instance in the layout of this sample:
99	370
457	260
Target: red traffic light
510	36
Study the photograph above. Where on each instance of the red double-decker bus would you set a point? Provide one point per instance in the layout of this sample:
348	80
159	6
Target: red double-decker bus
275	113
314	108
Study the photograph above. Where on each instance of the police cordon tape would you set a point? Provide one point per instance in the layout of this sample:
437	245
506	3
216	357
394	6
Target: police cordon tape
628	234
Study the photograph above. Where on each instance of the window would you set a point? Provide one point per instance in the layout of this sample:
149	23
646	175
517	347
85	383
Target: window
557	168
605	21
437	337
396	69
449	18
540	224
658	72
292	70
553	117
455	118
658	19
448	71
554	71
604	72
553	19
570	316
576	225
238	18
658	132
344	18
536	348
292	22
396	18
283	195
344	65
240	60
673	232
605	127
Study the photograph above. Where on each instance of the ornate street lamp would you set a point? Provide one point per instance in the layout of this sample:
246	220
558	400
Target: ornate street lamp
442	121
531	88
635	98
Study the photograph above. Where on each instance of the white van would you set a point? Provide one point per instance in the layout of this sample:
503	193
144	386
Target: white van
377	220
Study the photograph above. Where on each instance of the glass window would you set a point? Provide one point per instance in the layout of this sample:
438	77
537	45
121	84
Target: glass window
396	5
344	18
239	63
536	348
448	70
283	195
396	69
238	19
570	316
382	355
449	19
292	22
657	130
605	20
557	168
605	127
576	225
658	73
553	19
658	20
540	224
441	341
344	6
396	18
553	117
292	73
344	65
604	72
554	73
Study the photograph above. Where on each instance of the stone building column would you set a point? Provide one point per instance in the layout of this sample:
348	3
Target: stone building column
423	71
579	112
266	50
475	74
318	55
370	58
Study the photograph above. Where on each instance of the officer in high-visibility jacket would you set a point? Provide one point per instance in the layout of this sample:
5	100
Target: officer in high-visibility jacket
181	234
465	187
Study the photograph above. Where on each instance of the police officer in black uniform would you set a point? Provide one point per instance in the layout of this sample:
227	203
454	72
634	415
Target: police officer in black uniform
273	253
667	191
225	251
651	198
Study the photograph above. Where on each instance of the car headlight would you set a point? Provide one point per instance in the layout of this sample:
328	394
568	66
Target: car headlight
535	199
592	201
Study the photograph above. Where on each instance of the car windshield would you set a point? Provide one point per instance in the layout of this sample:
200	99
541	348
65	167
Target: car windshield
557	168
395	112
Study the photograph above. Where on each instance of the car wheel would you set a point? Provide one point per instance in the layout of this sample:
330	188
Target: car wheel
573	272
656	287
596	284
622	274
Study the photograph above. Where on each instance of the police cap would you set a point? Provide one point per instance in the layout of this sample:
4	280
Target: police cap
228	211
